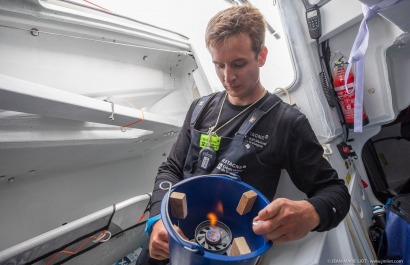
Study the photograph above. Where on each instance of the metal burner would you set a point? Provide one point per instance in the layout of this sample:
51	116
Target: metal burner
213	238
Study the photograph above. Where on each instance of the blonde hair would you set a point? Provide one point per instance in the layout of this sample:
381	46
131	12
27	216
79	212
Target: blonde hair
244	19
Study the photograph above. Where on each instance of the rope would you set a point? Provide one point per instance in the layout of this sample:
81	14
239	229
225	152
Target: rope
123	128
286	92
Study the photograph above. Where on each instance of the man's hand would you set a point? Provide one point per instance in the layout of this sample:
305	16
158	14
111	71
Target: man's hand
285	220
158	244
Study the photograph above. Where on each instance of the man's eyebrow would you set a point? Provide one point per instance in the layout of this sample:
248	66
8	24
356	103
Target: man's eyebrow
239	59
233	61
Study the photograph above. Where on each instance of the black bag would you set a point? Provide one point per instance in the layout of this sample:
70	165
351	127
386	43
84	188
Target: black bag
397	231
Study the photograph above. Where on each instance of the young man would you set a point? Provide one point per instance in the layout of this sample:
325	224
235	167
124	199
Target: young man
258	133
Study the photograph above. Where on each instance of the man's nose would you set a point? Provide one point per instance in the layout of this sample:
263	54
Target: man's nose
229	75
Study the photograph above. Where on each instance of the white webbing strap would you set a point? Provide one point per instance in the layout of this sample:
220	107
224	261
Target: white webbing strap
357	59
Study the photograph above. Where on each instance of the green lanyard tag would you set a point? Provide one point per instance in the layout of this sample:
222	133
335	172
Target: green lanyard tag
214	143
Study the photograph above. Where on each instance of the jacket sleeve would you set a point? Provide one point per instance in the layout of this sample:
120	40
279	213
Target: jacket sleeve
172	169
313	175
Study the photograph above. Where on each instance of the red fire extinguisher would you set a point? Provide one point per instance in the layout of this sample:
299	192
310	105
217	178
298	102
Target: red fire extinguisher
345	98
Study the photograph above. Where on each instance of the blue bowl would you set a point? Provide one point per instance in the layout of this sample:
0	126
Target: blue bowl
204	194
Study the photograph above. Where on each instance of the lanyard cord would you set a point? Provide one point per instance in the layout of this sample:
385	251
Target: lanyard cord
211	129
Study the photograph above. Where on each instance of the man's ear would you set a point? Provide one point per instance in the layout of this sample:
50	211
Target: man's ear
262	56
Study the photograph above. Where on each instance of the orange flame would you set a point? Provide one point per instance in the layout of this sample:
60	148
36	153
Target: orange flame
220	208
212	218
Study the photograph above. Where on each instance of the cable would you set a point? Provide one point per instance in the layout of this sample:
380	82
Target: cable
324	80
326	54
80	252
286	92
69	252
147	209
324	58
91	3
101	238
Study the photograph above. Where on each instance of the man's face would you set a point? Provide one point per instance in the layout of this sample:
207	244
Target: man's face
237	66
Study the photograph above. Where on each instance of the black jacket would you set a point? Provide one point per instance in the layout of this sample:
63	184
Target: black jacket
281	139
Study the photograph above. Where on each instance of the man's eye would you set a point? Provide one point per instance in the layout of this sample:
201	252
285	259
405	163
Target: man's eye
219	66
239	64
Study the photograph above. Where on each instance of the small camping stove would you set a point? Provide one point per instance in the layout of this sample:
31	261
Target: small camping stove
216	238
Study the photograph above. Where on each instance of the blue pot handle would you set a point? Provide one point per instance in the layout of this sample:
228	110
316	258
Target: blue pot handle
188	245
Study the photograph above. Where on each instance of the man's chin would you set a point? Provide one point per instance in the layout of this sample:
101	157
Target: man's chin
233	92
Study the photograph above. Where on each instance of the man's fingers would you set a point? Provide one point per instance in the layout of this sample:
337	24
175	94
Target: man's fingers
158	253
285	220
158	245
271	210
264	227
267	220
276	234
158	248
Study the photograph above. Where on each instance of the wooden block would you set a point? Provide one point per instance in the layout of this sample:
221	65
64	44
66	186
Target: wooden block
239	247
178	203
246	203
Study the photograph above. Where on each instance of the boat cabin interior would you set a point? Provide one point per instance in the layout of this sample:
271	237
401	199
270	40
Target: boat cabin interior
93	95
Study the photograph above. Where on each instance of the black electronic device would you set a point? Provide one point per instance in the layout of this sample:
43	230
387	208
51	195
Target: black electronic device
207	158
314	22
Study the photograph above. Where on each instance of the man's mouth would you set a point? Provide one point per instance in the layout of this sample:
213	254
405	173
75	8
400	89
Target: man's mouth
232	86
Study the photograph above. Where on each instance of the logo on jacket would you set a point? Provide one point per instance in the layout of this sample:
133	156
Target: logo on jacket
257	140
228	166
